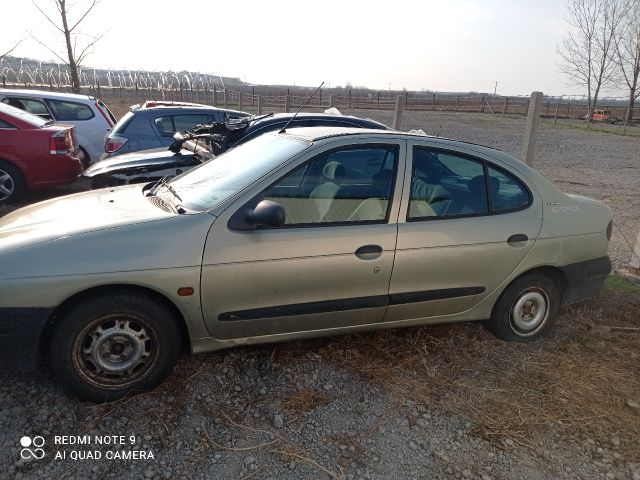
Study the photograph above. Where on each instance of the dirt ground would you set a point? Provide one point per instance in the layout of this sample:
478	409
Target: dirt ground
448	402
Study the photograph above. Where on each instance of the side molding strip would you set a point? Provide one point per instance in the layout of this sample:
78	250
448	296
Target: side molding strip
357	303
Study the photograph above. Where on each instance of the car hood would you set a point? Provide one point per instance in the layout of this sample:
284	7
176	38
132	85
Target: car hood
143	158
76	214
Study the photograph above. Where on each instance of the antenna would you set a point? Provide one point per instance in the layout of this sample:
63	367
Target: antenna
284	129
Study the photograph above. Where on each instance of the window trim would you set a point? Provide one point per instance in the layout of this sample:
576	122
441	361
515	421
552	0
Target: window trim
260	196
485	166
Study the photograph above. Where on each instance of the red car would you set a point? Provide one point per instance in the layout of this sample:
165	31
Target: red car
35	154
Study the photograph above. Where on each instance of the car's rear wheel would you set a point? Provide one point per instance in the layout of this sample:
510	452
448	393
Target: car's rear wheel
527	308
111	345
12	184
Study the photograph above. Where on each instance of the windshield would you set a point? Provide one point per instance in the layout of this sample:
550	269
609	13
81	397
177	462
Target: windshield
213	182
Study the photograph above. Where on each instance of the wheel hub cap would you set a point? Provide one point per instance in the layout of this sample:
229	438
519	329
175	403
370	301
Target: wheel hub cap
6	185
529	311
116	348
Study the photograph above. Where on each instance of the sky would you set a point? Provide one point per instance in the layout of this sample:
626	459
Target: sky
440	45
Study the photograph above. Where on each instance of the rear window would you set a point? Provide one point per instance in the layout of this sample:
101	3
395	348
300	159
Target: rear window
24	116
4	124
70	111
104	107
124	123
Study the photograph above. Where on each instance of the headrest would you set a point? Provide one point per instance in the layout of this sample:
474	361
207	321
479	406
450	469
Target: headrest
477	185
334	171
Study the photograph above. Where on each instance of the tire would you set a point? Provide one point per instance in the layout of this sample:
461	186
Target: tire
86	159
527	308
12	184
114	344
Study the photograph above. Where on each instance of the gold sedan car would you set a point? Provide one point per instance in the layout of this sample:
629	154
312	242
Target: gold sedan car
297	234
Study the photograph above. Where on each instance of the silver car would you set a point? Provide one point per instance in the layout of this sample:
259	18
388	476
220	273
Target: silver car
296	234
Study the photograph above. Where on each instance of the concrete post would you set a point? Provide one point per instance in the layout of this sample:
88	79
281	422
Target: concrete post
287	103
239	100
224	97
259	104
397	116
531	128
634	265
215	97
331	100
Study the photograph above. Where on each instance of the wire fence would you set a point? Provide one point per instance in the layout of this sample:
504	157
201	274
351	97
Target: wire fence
287	99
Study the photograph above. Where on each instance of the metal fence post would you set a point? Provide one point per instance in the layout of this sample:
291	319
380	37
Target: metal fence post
239	100
225	97
531	128
287	103
397	116
215	97
259	104
505	106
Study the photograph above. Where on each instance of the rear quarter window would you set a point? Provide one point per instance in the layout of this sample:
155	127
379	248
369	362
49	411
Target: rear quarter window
70	111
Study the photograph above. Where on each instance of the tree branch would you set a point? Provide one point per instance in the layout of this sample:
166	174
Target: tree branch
47	17
66	62
11	49
93	4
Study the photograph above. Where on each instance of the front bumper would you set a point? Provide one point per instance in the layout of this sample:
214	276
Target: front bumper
20	333
584	279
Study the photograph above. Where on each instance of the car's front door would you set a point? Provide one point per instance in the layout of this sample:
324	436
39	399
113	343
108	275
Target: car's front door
328	266
465	224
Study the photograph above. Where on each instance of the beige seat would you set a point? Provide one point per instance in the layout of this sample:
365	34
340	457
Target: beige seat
324	194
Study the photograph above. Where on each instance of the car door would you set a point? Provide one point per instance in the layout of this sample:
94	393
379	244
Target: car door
328	266
465	225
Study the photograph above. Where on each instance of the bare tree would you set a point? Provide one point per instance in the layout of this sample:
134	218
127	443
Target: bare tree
628	54
588	49
15	45
74	54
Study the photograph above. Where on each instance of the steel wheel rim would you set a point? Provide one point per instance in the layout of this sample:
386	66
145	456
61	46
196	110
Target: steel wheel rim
7	185
115	351
529	312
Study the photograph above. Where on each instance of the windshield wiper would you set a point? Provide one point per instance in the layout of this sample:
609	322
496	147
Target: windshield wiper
163	182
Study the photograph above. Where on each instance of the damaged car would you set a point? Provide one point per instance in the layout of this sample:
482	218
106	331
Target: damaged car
295	234
204	143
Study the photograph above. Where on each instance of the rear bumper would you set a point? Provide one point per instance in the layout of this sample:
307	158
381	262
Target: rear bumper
20	334
584	279
61	170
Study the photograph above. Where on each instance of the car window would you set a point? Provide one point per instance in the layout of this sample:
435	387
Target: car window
64	110
446	185
188	122
214	181
32	106
340	186
165	126
4	124
507	192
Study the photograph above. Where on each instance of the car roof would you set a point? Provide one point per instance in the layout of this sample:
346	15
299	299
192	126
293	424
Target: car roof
44	94
313	134
181	108
279	117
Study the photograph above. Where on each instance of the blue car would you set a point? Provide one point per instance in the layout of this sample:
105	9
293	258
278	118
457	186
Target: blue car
152	125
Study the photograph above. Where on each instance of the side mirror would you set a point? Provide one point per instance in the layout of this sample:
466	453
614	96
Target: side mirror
267	213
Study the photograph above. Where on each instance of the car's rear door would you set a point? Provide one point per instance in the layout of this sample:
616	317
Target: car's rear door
465	224
329	266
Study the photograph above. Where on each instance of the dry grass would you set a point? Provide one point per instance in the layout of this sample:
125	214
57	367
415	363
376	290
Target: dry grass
305	400
577	380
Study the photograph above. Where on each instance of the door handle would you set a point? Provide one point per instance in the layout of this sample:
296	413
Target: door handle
369	252
517	238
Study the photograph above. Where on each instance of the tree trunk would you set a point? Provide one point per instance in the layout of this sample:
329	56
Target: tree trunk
632	101
73	67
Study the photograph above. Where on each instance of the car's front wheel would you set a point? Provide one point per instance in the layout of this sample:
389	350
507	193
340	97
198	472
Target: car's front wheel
110	345
527	308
